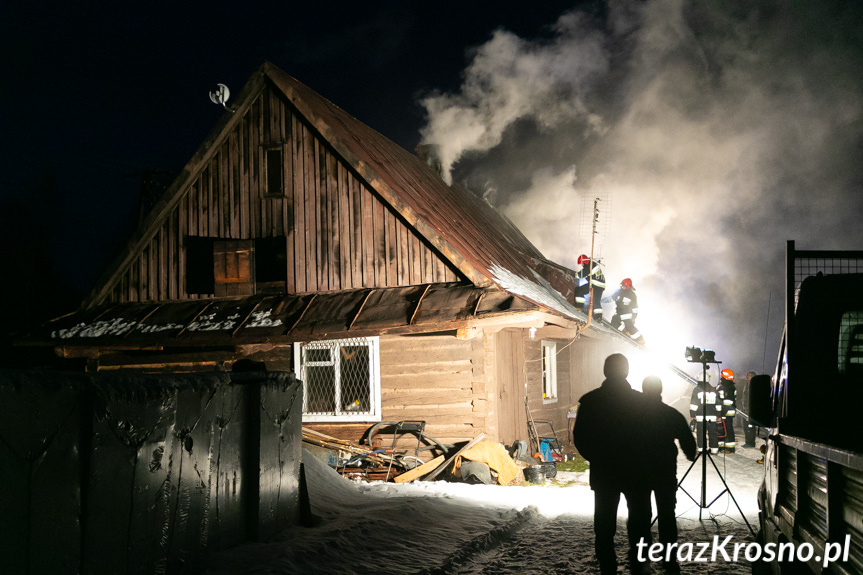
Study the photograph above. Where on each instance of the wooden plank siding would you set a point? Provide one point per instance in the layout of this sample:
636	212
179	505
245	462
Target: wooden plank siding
508	357
339	234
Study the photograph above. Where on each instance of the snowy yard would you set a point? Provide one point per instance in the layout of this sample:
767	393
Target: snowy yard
440	528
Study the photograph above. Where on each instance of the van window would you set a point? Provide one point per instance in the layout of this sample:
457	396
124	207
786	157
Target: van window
851	343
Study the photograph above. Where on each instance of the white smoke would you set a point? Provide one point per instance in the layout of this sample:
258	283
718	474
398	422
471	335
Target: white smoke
715	133
511	78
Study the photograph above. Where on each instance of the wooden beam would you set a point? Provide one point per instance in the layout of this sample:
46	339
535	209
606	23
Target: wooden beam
140	321
246	319
478	301
197	315
299	319
417	472
419	303
452	457
359	311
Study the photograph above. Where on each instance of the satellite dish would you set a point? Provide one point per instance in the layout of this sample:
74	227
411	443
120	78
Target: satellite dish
221	95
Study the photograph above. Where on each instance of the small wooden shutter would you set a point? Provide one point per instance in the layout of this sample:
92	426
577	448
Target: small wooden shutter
234	267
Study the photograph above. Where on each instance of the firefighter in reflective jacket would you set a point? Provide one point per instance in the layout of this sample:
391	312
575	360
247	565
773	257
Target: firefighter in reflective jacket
590	275
728	399
704	409
626	310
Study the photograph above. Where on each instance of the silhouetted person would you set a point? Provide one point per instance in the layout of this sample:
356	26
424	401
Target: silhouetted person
749	431
609	433
663	425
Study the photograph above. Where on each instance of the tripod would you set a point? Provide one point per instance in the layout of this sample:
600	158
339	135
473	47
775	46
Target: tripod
704	455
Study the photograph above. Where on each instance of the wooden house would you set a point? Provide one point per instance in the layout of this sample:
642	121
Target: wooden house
299	237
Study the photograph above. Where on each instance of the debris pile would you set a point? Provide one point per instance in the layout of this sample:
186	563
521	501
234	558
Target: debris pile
401	451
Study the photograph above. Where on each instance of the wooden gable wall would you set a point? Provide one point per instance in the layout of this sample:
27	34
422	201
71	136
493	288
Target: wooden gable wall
339	234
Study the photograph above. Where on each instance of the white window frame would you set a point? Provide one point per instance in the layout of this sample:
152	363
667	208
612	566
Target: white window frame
549	371
373	344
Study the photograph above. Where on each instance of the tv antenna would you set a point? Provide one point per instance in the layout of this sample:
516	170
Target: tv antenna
221	95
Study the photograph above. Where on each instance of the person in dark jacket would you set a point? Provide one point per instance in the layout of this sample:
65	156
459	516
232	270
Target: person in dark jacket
664	425
749	431
608	433
728	399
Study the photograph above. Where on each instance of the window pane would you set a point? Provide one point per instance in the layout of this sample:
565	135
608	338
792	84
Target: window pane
271	260
340	380
549	370
851	343
320	389
316	355
274	172
355	383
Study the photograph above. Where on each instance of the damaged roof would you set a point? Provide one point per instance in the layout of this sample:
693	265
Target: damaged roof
280	319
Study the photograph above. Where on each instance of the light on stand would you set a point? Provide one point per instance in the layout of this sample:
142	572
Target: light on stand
693	354
697	355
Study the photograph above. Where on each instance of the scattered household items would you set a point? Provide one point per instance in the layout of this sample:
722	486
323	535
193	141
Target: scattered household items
545	447
491	455
401	451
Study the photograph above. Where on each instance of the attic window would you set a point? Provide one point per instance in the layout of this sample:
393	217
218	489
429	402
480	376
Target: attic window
274	170
223	268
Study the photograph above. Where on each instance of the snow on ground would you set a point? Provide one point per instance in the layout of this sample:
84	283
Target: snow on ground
443	528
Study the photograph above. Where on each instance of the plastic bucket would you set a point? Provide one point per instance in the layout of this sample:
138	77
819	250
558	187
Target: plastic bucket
534	474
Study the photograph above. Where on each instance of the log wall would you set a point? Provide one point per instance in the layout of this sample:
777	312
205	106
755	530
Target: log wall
439	379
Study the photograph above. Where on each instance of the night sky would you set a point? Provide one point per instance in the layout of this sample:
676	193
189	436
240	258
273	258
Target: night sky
93	95
712	134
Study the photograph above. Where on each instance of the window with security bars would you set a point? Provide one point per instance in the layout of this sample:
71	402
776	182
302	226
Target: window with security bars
549	371
341	380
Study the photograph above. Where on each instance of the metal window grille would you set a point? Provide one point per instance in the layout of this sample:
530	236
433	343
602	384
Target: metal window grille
340	379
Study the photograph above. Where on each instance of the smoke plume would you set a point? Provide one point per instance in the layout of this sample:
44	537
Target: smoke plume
710	132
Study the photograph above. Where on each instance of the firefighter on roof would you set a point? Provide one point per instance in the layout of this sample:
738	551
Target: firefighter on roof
589	276
728	400
626	310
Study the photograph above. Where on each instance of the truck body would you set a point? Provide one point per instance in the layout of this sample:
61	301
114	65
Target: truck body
812	407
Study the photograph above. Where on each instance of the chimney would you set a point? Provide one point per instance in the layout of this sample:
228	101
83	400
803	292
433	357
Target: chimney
429	154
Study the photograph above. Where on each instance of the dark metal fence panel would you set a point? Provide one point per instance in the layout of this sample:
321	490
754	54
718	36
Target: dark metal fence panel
143	474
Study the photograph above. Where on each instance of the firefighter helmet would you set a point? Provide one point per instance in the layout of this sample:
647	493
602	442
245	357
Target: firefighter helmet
583	259
626	283
728	375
